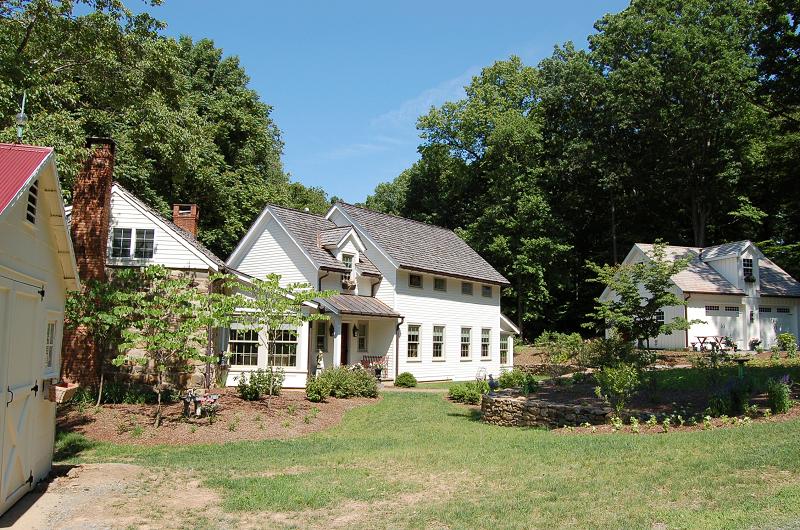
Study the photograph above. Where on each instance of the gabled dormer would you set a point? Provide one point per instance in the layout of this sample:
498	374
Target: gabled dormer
738	262
345	245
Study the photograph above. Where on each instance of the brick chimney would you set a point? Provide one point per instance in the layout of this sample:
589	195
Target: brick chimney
186	216
91	210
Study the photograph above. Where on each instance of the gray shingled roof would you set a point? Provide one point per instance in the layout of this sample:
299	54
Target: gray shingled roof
332	236
774	281
307	228
423	247
349	304
724	250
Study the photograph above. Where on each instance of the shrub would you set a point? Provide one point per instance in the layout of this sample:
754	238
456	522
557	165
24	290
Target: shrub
261	382
405	380
517	378
779	395
559	349
739	392
718	405
617	384
469	392
788	343
608	351
341	382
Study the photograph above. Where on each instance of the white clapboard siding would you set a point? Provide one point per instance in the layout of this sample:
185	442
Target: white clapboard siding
274	252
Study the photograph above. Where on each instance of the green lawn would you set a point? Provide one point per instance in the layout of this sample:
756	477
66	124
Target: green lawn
421	462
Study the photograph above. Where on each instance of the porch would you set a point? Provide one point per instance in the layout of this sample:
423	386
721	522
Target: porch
360	330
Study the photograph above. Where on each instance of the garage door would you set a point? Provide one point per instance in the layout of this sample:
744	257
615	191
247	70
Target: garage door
724	320
774	321
18	325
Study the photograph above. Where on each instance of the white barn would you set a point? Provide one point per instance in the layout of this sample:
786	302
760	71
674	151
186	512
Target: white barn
733	288
37	267
412	296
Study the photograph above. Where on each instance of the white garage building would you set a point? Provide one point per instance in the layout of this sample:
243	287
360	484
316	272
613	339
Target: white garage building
37	267
734	289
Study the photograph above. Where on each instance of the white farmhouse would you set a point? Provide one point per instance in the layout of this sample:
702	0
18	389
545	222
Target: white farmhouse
733	288
37	267
412	296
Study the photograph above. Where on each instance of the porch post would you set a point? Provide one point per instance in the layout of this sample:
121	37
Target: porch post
337	339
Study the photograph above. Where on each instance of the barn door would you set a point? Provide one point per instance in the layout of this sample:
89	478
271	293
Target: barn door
21	388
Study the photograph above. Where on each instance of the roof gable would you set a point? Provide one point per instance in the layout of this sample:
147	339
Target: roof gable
19	168
413	245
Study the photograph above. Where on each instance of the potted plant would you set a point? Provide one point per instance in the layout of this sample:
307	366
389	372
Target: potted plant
378	367
62	391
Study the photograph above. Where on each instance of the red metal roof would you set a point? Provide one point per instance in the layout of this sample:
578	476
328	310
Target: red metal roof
18	163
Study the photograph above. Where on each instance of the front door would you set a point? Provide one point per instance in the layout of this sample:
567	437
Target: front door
345	344
19	352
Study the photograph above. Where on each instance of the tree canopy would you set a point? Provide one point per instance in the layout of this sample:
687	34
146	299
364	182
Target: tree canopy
187	127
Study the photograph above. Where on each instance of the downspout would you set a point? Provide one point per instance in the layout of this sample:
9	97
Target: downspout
397	347
686	318
319	281
372	288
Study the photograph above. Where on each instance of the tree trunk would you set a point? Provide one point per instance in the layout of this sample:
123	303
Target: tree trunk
519	308
157	422
614	231
100	389
699	221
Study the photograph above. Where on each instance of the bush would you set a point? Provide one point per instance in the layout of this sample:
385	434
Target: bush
617	384
512	378
779	395
718	405
560	349
261	382
788	343
469	392
405	380
341	382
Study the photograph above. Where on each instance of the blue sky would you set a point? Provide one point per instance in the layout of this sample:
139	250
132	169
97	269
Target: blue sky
347	80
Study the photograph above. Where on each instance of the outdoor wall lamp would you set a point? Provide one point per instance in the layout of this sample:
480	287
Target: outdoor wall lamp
355	331
330	330
752	316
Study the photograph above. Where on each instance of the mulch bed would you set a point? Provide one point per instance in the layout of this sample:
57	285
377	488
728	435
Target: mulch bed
289	415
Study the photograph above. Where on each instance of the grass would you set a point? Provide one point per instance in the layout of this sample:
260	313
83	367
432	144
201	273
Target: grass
420	461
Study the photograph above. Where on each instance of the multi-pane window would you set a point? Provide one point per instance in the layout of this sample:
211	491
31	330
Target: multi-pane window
144	243
466	345
485	343
732	308
782	310
415	280
363	330
413	341
466	288
33	197
712	308
347	259
49	344
243	347
284	348
660	317
763	309
503	350
486	291
747	266
322	336
438	342
439	284
121	243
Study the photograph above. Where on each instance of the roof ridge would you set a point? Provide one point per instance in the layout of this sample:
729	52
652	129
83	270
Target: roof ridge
25	147
423	223
295	210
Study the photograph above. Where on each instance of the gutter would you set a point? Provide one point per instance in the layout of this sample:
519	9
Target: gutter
319	281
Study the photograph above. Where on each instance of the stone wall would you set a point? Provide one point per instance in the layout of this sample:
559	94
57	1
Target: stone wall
510	408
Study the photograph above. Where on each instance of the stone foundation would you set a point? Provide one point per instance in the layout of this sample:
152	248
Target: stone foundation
510	408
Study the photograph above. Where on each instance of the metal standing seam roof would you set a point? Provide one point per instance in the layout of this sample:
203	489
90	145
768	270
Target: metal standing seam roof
18	164
422	247
309	230
349	304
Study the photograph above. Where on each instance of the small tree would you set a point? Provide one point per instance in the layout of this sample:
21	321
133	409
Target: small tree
103	311
640	291
269	309
170	325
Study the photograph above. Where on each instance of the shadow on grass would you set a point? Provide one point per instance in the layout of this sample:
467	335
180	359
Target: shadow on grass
70	445
471	414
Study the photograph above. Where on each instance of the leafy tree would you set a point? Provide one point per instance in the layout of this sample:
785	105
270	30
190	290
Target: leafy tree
104	311
638	292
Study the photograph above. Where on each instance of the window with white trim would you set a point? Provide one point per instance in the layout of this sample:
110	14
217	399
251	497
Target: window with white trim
33	198
660	316
503	350
121	242
486	338
49	344
438	342
712	308
243	347
347	260
415	280
363	330
145	243
466	288
747	266
784	310
486	291
732	308
412	349
284	348
466	342
322	335
439	284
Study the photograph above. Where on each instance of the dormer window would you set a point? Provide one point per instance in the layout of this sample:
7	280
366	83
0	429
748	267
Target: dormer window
347	259
747	268
33	197
415	280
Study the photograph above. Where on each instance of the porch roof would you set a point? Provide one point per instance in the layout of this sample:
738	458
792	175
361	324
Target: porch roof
350	304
